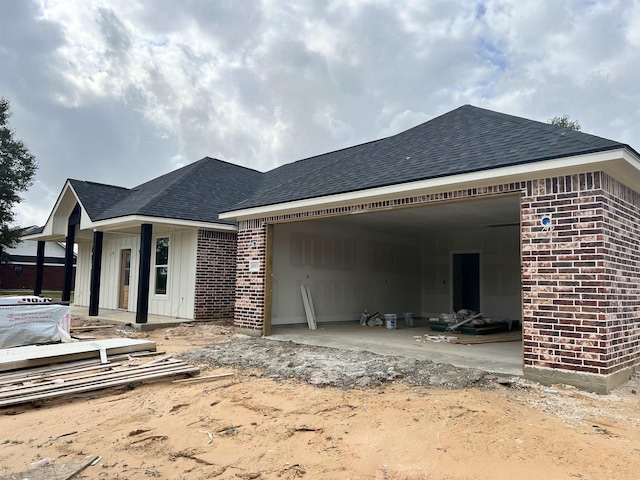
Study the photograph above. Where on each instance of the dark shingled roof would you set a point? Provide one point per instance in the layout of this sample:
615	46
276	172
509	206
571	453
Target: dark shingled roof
196	192
467	139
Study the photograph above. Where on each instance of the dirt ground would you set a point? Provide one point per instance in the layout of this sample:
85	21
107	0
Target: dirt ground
292	412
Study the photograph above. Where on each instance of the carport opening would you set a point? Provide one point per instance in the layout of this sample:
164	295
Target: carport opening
427	260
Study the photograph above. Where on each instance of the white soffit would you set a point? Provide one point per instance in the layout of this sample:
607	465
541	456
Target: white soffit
621	164
130	221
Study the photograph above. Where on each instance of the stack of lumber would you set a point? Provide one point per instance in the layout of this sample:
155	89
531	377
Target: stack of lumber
65	379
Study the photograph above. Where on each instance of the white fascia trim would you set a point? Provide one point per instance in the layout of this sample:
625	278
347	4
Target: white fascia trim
132	220
47	230
631	158
524	171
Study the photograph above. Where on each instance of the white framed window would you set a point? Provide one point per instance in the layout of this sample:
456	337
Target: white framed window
161	266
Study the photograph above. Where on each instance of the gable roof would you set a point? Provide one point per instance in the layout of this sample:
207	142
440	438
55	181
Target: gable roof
196	192
467	139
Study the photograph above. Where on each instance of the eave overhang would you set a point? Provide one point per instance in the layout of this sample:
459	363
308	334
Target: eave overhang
622	164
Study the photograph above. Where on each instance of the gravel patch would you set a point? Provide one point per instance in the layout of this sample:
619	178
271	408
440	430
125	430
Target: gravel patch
322	366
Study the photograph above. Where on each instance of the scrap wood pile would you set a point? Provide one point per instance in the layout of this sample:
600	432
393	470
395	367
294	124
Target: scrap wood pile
73	378
469	322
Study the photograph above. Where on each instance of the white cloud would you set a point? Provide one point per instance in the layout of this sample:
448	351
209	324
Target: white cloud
142	87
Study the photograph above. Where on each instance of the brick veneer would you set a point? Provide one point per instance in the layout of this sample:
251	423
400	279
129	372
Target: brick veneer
580	279
249	313
215	275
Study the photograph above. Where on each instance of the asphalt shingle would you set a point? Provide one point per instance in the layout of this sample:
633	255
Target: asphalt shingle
196	192
467	139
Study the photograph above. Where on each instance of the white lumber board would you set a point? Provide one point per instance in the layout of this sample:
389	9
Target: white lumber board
37	355
312	308
205	378
91	378
307	308
58	373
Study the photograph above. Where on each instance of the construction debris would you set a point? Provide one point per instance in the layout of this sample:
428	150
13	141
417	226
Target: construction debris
36	355
67	379
469	322
371	320
49	471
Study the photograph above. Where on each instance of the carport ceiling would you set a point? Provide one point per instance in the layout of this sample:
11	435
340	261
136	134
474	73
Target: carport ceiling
494	212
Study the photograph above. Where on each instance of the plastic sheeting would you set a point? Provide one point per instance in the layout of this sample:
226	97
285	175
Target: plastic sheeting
30	323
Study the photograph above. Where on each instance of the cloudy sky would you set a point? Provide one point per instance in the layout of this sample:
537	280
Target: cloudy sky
120	92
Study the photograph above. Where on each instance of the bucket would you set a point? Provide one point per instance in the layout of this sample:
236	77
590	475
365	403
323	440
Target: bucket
408	320
390	320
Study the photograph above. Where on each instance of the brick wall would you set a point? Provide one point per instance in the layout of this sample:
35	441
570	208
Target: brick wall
580	277
52	277
250	285
215	275
622	274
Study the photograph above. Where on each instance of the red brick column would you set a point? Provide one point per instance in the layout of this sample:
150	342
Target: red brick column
622	275
571	315
250	276
215	275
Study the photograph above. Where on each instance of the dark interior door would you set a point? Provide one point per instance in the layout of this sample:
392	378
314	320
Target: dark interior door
466	281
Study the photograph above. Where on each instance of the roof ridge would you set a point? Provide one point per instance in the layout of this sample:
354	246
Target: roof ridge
187	172
98	183
578	135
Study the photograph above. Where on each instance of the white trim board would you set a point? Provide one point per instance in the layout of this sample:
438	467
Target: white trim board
619	163
36	355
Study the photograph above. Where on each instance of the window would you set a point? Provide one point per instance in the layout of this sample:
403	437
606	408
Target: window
162	265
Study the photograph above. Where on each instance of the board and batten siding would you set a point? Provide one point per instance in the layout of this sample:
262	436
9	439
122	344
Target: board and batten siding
179	300
83	275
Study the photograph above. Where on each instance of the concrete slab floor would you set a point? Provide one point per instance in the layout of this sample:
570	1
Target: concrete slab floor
122	317
502	357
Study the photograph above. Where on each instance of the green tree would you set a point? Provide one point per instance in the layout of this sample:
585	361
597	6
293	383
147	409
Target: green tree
565	121
17	169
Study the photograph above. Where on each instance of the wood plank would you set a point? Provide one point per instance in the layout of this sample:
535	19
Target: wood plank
37	355
87	379
307	308
204	378
127	380
57	471
36	372
85	328
311	307
43	376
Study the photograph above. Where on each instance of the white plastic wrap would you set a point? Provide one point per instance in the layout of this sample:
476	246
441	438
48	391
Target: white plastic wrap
33	323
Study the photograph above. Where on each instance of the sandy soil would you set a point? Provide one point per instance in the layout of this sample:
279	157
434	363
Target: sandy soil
258	426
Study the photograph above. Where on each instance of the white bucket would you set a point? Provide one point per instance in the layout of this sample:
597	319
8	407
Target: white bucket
408	320
390	320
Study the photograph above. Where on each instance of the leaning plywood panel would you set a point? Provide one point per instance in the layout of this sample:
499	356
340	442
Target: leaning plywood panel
35	355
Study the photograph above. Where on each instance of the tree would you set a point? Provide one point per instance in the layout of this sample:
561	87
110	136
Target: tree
566	122
17	169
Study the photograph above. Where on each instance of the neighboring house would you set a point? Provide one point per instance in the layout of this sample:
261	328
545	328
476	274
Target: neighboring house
473	209
19	271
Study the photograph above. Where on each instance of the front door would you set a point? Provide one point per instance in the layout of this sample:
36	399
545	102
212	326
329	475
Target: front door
125	276
466	281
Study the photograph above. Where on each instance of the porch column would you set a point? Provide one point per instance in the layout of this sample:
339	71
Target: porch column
74	219
142	310
96	267
37	290
251	262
